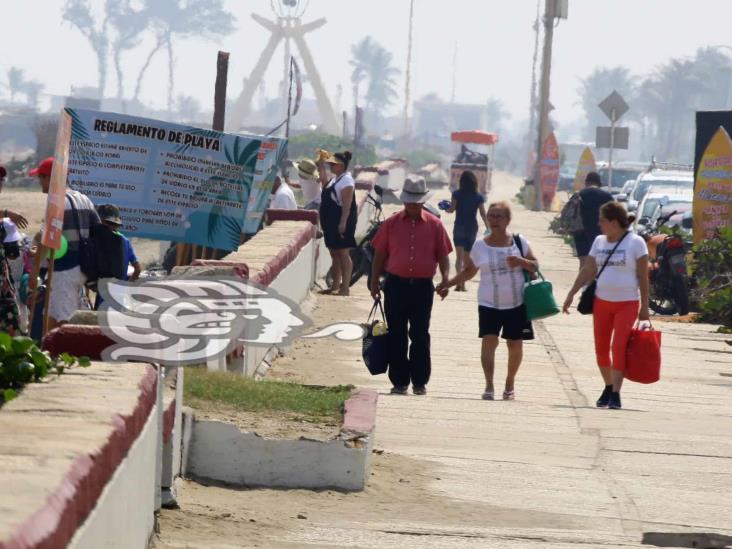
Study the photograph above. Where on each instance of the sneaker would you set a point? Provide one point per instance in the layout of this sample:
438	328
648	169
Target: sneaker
615	401
422	390
604	399
399	390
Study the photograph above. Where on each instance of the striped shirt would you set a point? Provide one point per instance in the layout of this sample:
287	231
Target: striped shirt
501	287
87	218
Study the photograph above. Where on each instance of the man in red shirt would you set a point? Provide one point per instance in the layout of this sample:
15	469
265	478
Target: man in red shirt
409	246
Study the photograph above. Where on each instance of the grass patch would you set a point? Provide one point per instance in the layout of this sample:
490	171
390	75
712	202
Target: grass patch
249	395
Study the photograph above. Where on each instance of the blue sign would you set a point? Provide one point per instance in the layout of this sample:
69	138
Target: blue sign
173	182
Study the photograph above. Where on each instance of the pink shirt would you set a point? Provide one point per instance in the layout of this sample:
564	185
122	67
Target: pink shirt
412	247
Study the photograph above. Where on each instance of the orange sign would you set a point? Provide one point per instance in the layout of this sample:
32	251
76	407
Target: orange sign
713	188
549	170
56	203
585	165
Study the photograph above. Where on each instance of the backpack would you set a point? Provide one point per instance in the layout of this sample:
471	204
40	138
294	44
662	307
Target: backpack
87	250
570	218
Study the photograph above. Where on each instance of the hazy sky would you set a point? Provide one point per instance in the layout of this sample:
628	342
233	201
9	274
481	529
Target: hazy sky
494	40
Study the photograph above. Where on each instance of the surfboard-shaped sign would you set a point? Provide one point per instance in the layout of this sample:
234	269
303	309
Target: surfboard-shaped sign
713	188
585	165
549	170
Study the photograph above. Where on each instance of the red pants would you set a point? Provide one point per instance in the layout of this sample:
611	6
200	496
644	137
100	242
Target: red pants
613	319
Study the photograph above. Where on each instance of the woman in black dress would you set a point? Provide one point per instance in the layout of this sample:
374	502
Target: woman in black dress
338	218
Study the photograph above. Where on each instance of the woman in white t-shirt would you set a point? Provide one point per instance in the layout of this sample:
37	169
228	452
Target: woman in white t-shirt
621	296
338	216
501	309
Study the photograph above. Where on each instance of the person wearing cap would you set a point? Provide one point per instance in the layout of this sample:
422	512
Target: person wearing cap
307	171
338	216
111	218
282	196
116	246
409	247
17	218
67	285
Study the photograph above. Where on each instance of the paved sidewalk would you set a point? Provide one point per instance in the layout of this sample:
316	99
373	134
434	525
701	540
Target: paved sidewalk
545	470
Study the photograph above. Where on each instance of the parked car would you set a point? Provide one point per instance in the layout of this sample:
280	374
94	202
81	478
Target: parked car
658	202
566	176
672	181
625	191
622	172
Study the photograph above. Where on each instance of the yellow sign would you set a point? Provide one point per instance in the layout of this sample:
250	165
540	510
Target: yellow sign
585	165
713	188
56	204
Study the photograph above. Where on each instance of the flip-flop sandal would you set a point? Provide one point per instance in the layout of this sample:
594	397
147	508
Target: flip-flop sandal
488	395
327	291
509	395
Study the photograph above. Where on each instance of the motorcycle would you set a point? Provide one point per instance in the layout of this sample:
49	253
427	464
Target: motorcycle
667	270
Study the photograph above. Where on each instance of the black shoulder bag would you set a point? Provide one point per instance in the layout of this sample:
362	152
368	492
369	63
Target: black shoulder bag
87	251
587	299
375	346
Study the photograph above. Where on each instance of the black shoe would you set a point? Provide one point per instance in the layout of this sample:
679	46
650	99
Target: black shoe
615	401
604	399
421	390
399	389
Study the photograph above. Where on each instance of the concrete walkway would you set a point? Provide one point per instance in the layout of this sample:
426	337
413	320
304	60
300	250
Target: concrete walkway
545	470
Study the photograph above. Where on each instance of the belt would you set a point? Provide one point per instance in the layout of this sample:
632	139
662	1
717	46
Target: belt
409	280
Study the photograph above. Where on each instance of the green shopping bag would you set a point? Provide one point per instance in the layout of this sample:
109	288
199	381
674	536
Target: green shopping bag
538	298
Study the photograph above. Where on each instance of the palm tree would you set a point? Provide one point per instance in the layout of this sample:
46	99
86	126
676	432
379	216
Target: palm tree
361	54
382	89
496	114
372	62
675	84
186	18
32	90
713	72
79	14
596	87
129	25
16	81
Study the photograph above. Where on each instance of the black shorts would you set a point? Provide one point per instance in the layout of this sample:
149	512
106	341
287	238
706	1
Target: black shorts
511	322
583	243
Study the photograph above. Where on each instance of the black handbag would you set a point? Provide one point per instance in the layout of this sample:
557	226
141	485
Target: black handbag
375	346
587	299
87	249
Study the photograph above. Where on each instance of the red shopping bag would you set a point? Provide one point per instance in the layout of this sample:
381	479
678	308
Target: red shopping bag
643	356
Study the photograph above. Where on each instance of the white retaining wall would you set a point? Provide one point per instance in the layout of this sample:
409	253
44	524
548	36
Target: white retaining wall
220	451
293	282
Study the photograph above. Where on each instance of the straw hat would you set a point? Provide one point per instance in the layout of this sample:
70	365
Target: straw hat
306	169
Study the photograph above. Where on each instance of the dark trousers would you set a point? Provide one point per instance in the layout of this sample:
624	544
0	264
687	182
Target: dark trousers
408	304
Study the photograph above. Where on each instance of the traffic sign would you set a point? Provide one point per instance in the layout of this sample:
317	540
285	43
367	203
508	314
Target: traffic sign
621	136
614	102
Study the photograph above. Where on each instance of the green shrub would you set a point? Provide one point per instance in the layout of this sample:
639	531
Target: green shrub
22	362
304	146
712	266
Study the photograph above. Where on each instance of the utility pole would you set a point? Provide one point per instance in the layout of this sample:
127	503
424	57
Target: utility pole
454	72
546	67
408	73
532	98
